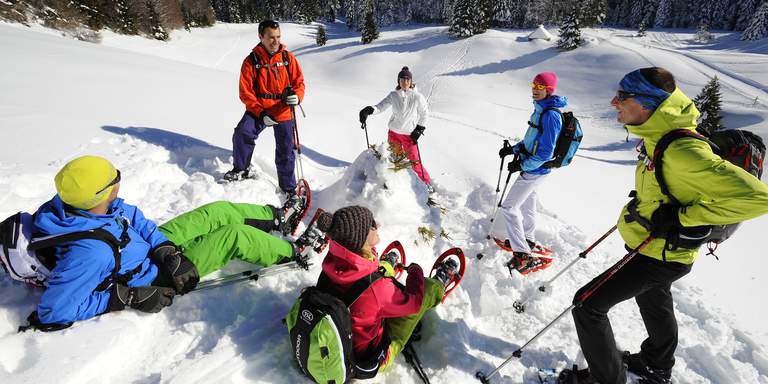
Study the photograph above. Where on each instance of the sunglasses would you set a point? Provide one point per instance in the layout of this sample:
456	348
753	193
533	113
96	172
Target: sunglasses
624	95
539	87
111	183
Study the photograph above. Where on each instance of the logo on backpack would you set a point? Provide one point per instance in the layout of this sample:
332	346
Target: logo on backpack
307	316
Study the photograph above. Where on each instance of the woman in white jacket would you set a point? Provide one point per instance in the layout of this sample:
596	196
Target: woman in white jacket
409	116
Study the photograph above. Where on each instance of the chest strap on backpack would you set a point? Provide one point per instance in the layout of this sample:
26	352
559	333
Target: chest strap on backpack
256	65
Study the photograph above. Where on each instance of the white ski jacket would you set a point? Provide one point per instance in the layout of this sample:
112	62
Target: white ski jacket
409	108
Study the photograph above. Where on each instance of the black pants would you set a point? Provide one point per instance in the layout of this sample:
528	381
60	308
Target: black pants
648	280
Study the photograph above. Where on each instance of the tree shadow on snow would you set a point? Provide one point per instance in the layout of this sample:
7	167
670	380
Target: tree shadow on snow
616	162
520	62
622	145
740	120
418	42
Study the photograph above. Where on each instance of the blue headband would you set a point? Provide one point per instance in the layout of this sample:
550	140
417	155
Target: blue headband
651	96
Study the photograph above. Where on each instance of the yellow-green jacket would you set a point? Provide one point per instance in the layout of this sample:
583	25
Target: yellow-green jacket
711	190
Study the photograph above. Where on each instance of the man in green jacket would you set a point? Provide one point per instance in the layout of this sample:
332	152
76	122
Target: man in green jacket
710	191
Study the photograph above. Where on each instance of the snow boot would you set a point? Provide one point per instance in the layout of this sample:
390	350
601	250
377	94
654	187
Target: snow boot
647	374
312	238
446	271
524	263
237	175
575	375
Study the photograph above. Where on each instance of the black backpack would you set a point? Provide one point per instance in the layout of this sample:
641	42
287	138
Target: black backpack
568	140
742	148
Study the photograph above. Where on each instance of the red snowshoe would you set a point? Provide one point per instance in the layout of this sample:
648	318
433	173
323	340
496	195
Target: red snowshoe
312	238
535	247
295	208
449	268
395	255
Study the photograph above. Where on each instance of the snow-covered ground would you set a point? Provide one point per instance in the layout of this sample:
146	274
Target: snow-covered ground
164	113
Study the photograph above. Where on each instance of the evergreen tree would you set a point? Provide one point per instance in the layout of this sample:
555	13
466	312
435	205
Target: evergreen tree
483	15
91	9
641	30
570	32
462	24
156	28
593	13
708	102
370	30
746	11
702	32
637	13
321	38
663	14
187	16
126	18
758	27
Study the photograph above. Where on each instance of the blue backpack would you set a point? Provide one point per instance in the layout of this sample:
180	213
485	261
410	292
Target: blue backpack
567	142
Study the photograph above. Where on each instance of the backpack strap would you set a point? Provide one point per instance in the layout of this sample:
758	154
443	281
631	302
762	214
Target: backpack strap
256	65
354	292
658	155
541	116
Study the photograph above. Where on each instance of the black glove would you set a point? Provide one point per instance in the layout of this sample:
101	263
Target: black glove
665	221
364	113
177	267
514	166
506	150
146	299
417	132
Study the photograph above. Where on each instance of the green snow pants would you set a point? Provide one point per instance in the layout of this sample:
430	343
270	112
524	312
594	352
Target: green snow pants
212	235
399	329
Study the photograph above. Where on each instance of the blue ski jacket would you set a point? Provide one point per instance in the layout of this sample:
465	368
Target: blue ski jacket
539	144
83	264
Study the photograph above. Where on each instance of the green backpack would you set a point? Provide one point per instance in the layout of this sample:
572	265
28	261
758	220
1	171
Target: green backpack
320	329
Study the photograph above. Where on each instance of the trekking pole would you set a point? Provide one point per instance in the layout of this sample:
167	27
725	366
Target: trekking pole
421	165
577	302
297	144
365	127
504	191
520	306
253	274
501	169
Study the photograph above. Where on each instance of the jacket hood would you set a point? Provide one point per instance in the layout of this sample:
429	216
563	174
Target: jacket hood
553	101
52	218
676	112
344	267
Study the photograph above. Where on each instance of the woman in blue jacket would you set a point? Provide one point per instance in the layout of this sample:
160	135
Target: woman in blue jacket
531	154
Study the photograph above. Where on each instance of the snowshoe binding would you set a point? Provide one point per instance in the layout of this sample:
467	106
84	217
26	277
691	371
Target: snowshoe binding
449	269
524	263
313	239
394	254
294	210
536	248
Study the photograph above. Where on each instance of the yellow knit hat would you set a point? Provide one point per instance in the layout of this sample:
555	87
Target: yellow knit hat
85	182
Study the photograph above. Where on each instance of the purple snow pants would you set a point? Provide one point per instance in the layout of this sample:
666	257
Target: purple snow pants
243	142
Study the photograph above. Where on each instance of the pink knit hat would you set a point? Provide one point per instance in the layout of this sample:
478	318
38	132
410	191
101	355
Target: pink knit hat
547	78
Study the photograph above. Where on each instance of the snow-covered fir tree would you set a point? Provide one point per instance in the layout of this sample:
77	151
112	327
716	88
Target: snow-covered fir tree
321	37
702	32
747	9
156	29
663	13
758	27
709	103
187	16
570	32
642	29
127	19
370	31
593	12
463	22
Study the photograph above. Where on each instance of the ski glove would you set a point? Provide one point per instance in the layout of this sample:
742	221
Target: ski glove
417	132
514	166
149	299
177	267
267	119
665	221
290	97
364	113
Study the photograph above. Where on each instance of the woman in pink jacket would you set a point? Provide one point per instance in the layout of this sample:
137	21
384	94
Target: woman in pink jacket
386	313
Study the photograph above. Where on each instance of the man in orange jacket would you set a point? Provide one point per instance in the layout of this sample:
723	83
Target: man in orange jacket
271	83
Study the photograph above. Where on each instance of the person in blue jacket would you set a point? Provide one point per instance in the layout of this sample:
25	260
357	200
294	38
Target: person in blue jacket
152	268
531	154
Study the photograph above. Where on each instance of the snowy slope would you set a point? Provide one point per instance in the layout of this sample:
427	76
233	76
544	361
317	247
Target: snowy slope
164	113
